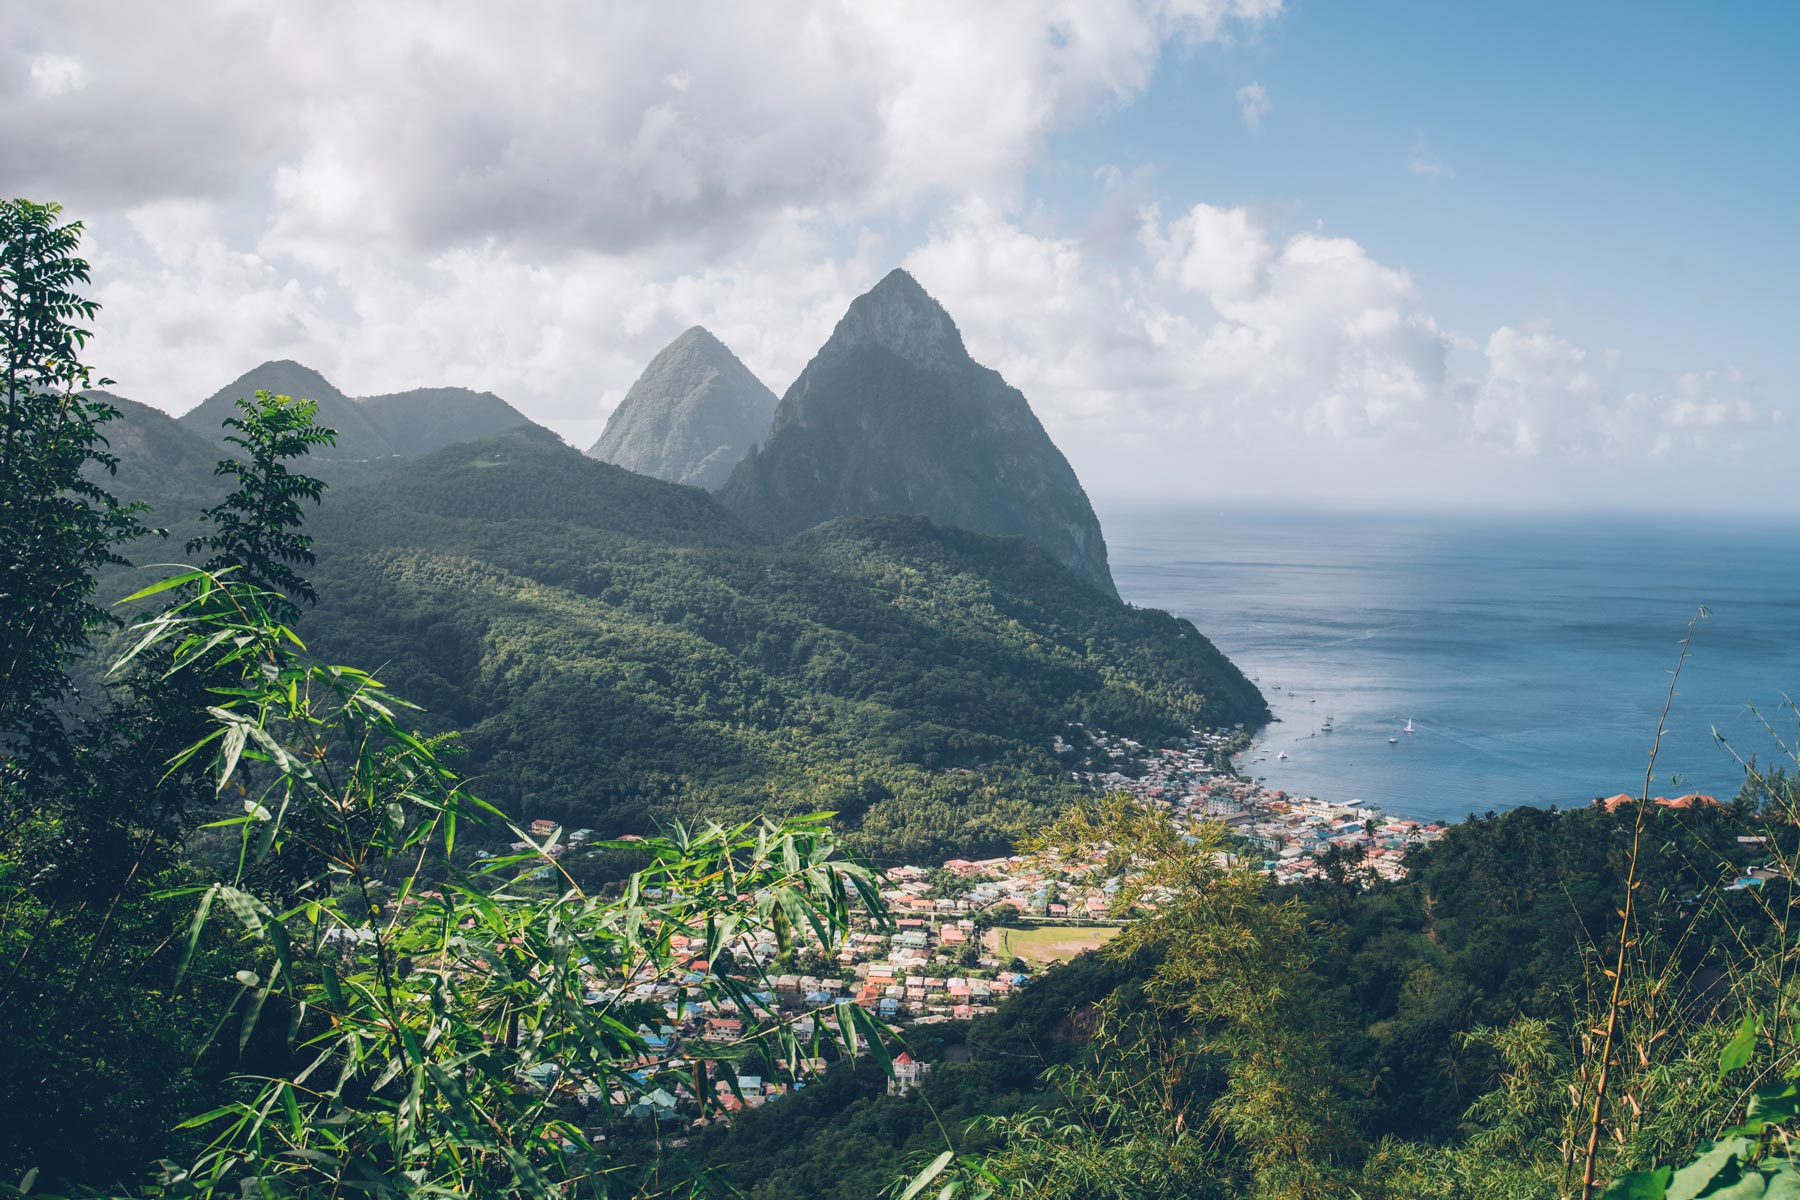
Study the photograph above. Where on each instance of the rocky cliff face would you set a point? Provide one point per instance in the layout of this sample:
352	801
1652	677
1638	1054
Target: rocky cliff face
691	416
893	416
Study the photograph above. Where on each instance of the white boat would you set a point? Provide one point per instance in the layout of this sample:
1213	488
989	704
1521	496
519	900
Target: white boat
1393	741
1280	755
1409	727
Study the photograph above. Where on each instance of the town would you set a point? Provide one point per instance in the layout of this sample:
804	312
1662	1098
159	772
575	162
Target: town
1202	778
960	937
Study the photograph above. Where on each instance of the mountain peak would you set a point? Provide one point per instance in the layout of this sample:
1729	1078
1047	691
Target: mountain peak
693	413
372	432
696	336
892	416
284	377
899	315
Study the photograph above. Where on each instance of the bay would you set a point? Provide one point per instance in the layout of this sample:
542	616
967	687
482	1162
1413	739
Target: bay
1532	655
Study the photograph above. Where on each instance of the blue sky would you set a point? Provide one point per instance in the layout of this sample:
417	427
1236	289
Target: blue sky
1628	172
1520	255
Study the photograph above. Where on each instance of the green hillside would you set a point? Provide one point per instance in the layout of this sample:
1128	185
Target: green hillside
162	462
619	651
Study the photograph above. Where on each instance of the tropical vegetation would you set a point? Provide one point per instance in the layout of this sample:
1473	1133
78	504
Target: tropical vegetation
266	928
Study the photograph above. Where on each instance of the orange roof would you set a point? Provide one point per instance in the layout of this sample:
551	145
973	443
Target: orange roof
1691	800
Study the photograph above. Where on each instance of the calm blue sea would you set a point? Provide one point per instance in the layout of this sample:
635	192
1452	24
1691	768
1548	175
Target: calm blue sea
1532	656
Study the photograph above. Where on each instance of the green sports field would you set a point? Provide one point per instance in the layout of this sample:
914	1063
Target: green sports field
1049	943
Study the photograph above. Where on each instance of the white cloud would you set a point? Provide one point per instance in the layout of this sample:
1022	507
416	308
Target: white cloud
424	192
1253	104
561	340
1533	381
57	74
426	125
1424	163
1219	252
1222	356
1313	331
446	191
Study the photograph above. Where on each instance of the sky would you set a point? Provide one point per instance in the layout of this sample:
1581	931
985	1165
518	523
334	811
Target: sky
1529	255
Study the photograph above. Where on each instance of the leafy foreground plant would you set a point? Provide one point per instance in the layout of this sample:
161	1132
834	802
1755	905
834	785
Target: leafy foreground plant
1754	1158
1212	1078
449	1030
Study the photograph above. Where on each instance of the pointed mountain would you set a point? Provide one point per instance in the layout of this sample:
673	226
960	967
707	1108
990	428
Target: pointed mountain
690	417
893	416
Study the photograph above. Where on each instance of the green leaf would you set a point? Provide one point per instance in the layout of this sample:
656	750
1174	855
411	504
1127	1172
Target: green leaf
923	1180
173	581
193	938
232	750
334	992
1770	1104
249	911
206	1118
292	1106
1716	1167
1783	1179
1738	1050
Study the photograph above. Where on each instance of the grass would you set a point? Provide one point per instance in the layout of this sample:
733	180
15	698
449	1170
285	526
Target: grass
1044	944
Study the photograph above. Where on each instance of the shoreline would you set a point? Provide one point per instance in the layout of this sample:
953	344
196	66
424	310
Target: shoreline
1295	832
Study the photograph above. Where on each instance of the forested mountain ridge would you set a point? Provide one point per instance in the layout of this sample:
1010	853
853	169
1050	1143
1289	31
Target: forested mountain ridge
893	416
690	417
373	432
357	438
420	420
162	462
618	650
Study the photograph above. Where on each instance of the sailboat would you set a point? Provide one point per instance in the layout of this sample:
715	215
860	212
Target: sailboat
1326	728
1409	727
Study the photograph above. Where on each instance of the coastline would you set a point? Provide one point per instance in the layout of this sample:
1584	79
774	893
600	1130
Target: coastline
1533	660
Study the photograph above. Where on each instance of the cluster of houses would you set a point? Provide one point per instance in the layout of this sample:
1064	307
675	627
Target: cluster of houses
1292	833
933	960
928	963
936	958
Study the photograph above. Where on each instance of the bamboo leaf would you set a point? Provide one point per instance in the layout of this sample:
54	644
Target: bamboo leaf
923	1179
193	937
1738	1050
173	581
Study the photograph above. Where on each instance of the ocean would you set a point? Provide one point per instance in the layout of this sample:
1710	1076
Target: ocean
1532	656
